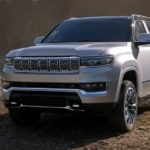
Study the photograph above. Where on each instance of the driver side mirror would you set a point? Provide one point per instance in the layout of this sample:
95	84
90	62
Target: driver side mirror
38	40
142	39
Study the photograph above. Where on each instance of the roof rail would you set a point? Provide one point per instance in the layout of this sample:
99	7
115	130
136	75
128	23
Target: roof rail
140	17
72	18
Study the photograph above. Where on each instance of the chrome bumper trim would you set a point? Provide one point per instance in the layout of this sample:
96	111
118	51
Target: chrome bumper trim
50	107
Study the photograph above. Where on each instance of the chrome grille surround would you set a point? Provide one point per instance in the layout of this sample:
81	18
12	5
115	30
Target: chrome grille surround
47	64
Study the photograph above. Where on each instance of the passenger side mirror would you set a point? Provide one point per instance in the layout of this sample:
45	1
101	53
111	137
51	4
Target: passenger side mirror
142	39
38	40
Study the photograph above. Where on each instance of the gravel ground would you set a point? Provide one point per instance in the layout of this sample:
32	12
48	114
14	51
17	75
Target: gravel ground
65	132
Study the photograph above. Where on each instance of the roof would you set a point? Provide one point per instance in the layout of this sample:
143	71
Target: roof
133	16
101	17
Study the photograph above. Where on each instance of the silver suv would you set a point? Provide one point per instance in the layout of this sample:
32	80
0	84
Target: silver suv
96	64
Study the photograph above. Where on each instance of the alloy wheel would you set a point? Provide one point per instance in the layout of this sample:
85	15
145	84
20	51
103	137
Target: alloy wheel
130	107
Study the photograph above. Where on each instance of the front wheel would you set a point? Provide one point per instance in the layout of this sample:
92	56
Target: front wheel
124	116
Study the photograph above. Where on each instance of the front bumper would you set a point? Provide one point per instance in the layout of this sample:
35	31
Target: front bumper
106	74
97	101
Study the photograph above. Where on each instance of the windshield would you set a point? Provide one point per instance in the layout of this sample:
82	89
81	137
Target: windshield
91	30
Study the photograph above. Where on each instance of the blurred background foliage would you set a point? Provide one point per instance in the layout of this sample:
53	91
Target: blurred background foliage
22	20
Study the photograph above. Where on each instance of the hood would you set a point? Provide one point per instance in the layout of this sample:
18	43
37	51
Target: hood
66	49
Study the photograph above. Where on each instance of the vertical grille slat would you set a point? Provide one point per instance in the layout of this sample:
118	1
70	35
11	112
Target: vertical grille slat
44	64
34	64
47	64
17	64
65	64
25	64
54	65
75	64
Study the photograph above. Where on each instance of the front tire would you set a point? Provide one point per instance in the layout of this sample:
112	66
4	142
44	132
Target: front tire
124	116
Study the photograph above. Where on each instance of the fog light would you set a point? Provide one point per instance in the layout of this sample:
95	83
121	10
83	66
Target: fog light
93	87
75	106
13	103
101	85
87	85
6	85
72	85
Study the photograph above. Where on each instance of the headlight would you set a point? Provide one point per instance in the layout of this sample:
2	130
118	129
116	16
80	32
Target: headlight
9	61
96	61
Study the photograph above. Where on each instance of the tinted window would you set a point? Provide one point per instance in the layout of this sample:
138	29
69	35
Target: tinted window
139	28
91	30
148	25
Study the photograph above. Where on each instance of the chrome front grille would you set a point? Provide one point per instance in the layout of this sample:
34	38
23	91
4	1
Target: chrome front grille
25	64
47	64
34	64
44	64
54	64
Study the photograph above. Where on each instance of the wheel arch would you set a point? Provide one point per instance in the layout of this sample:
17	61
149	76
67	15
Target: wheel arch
131	74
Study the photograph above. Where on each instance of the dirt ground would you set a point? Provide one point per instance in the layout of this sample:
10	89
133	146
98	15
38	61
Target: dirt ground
65	132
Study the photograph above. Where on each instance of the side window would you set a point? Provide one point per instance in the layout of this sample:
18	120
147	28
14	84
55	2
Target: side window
139	28
148	25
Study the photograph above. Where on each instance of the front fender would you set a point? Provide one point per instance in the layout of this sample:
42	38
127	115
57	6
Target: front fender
123	71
